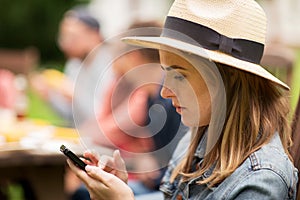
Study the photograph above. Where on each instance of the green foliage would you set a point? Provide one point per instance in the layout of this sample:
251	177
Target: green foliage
26	23
15	191
295	85
41	110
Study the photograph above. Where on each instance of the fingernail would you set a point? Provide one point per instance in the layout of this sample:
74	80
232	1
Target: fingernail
117	151
68	161
88	151
88	168
101	165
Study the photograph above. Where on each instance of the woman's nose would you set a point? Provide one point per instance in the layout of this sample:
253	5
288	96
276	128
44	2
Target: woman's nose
166	92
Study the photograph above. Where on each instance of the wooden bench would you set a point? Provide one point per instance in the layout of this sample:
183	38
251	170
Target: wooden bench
19	60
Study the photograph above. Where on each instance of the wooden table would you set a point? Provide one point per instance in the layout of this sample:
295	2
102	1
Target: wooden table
43	172
30	152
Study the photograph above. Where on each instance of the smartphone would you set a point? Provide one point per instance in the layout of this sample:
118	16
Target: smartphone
75	159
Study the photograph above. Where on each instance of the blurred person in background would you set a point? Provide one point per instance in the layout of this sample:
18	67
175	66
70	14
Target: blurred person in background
124	110
80	40
8	92
8	99
136	119
141	117
73	93
13	99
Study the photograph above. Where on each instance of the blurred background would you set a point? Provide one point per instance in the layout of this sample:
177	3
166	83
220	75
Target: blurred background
29	34
33	25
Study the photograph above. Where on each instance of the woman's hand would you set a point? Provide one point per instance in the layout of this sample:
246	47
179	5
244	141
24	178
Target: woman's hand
114	165
102	184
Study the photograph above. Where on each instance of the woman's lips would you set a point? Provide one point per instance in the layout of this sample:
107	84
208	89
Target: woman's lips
178	108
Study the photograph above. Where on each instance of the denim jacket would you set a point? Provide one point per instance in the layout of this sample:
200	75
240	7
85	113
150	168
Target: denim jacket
265	174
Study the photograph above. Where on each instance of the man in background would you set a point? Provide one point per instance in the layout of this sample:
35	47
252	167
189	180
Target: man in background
73	93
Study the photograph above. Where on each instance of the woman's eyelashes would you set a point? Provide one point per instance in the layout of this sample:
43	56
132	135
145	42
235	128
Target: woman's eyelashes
172	72
179	77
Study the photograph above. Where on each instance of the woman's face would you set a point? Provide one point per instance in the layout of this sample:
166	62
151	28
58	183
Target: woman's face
74	38
184	84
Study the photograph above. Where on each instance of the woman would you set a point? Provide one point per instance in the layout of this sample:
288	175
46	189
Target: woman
210	53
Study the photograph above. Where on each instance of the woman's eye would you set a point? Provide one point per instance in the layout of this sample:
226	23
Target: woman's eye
179	77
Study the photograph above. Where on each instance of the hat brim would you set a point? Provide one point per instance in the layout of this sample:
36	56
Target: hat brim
216	56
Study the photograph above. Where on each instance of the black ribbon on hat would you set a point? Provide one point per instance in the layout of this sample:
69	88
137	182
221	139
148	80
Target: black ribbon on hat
210	39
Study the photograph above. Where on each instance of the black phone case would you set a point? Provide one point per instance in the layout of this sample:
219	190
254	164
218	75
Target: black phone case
79	163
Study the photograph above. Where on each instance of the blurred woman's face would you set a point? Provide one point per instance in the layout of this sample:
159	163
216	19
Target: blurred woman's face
184	84
73	38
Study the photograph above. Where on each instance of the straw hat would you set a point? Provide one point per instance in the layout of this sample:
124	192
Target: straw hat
231	32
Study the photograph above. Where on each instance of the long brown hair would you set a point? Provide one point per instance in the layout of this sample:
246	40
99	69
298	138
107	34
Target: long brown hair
256	110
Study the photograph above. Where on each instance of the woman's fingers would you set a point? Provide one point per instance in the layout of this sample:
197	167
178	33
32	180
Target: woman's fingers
107	163
120	166
91	175
111	187
103	185
87	161
118	160
79	173
98	174
114	165
92	156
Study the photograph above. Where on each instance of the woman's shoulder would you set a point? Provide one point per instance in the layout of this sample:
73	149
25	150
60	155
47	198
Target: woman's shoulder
272	157
267	169
268	172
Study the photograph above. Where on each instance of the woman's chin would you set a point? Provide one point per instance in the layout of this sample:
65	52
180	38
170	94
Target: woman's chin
193	121
189	122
